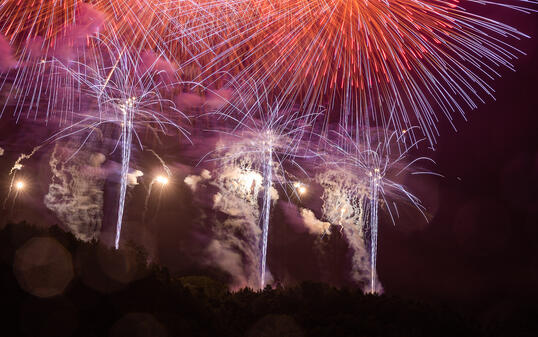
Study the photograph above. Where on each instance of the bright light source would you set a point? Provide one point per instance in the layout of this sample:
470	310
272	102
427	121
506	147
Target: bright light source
162	180
301	189
250	180
19	185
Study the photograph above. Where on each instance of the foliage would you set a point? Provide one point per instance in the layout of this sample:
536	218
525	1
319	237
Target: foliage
155	303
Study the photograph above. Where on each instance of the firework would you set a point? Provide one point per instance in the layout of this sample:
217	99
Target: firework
360	176
360	59
267	142
18	186
120	89
17	166
365	59
162	181
265	70
40	32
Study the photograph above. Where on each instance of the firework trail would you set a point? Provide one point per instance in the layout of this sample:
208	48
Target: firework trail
267	142
362	59
163	181
19	187
361	175
160	179
162	162
358	58
39	32
17	166
393	65
126	92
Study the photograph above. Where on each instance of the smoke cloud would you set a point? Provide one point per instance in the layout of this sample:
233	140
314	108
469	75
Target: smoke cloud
236	242
304	220
187	100
314	225
216	100
152	62
344	198
7	60
76	191
132	177
193	180
88	22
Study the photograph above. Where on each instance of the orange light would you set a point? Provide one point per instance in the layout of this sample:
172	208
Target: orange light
162	180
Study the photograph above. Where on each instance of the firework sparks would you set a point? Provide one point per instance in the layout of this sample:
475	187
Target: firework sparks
390	65
162	180
360	177
17	166
125	96
19	185
362	59
300	188
266	139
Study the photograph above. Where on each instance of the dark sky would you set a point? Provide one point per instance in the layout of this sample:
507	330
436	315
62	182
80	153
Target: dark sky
477	252
480	248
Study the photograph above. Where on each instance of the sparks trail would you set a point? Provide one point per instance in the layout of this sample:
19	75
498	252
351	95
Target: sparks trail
42	31
19	187
17	166
39	32
163	180
362	59
360	176
266	142
127	95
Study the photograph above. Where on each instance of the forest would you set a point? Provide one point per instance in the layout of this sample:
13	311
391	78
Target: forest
55	285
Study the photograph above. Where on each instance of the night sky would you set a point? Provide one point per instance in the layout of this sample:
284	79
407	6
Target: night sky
477	252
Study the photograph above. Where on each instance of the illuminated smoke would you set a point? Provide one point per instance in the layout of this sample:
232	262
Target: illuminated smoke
304	220
132	178
313	224
236	242
7	60
343	205
76	191
193	180
240	233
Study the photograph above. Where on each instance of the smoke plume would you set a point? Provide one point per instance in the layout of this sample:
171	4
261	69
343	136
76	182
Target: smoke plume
76	191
